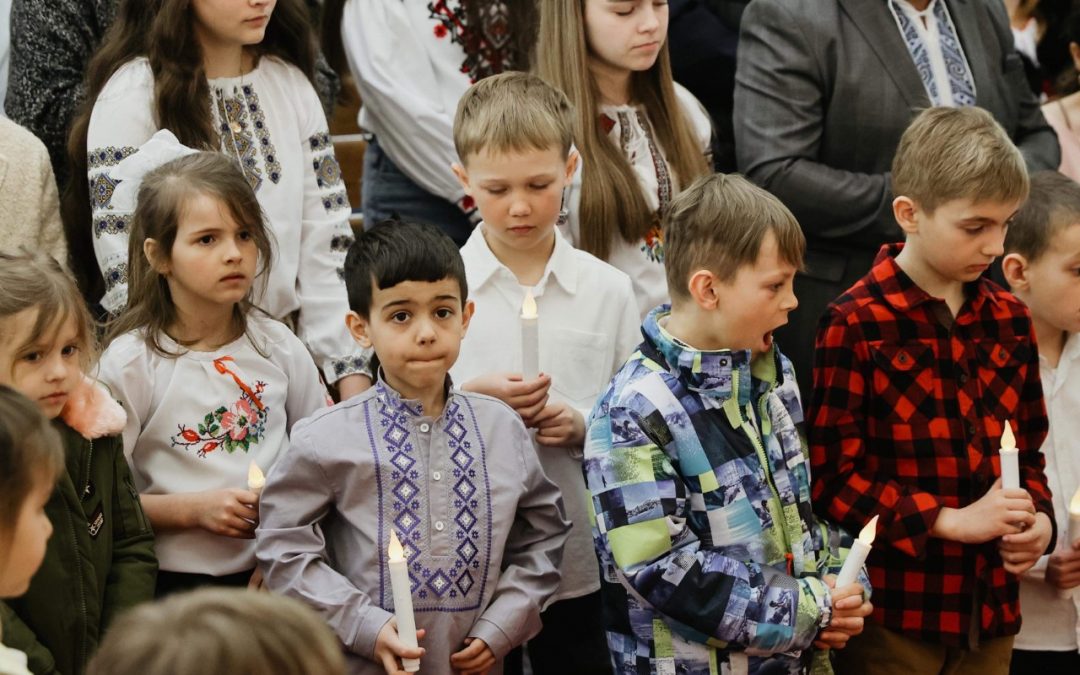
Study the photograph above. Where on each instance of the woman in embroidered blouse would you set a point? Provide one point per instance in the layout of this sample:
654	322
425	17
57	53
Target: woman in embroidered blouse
641	136
1064	113
231	75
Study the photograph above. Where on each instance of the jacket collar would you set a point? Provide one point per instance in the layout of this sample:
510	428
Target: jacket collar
92	411
482	265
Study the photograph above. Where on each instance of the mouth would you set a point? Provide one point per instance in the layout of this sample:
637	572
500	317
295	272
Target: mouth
55	397
257	21
233	278
521	229
649	46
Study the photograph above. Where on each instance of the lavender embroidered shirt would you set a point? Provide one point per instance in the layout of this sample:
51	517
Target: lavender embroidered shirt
483	528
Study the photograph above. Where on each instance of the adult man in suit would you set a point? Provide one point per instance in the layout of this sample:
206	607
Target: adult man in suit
825	88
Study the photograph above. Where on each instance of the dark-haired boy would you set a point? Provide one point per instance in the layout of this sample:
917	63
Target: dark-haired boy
454	474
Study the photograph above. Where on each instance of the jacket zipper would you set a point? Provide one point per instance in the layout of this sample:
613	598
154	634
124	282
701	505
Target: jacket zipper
759	448
80	585
139	515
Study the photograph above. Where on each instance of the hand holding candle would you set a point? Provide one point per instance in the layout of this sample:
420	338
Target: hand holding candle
256	480
1010	459
402	590
530	339
857	557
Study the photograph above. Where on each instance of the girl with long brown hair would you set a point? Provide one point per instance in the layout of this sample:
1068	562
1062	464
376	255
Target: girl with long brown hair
233	76
641	136
210	385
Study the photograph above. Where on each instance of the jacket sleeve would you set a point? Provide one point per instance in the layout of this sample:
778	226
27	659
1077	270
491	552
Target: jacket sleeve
534	548
646	542
779	121
50	229
133	573
845	490
18	635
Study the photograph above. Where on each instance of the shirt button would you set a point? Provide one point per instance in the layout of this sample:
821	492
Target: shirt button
425	427
437	475
963	378
971	429
439	526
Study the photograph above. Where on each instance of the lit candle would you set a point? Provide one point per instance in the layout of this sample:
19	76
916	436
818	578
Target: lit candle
1074	519
1010	459
857	557
256	479
402	589
530	339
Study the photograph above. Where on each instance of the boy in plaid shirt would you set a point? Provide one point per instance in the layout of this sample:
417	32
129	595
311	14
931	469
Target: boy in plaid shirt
918	367
712	559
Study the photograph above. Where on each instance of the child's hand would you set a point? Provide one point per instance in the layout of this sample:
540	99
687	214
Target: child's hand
849	613
559	425
1063	569
997	513
526	397
255	583
476	659
389	650
1020	551
229	513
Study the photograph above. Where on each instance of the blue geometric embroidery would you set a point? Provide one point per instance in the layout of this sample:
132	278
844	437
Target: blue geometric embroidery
961	83
238	115
110	224
109	156
101	190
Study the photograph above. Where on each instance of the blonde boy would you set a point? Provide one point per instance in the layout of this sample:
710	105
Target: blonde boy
712	559
513	134
918	367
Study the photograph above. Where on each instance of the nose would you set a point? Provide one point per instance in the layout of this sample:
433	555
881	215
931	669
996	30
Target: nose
650	19
425	332
520	208
994	245
57	370
790	302
232	251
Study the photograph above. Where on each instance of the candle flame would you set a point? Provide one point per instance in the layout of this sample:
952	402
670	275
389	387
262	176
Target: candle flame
1008	440
869	532
256	479
1074	505
395	551
528	306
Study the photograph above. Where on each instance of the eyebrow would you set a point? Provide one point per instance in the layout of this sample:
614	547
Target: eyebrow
411	301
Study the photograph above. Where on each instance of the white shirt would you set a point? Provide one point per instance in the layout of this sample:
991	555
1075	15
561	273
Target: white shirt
631	130
12	662
196	421
588	326
1051	618
410	80
271	121
930	32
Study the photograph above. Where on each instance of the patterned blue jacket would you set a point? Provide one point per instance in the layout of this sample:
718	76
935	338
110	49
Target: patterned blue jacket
700	487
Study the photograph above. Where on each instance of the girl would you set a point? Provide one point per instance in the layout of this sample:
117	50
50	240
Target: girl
1063	114
209	386
31	459
234	76
101	561
642	137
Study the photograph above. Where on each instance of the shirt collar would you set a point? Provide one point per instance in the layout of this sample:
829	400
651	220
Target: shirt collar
482	265
721	374
901	291
393	399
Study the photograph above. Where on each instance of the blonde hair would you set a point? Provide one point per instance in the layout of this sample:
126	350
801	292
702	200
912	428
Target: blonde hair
35	281
512	112
719	224
957	153
611	199
215	631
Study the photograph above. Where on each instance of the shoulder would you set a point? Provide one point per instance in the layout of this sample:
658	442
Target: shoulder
643	386
695	112
125	351
336	422
133	76
1006	305
598	274
269	331
19	141
277	69
765	13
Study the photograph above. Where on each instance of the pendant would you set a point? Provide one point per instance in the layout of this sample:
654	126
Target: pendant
235	126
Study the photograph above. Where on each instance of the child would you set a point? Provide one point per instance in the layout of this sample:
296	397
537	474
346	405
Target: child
712	558
642	137
513	133
29	204
1042	259
101	561
209	386
31	461
233	77
453	474
220	632
918	368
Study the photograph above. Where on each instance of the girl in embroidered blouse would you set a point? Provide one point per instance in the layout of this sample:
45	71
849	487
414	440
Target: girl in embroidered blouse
210	385
234	76
642	138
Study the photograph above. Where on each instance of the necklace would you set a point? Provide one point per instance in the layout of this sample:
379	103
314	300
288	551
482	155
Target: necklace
234	124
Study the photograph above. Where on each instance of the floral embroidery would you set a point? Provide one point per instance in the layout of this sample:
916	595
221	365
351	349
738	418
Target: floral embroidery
232	428
486	45
349	366
653	244
663	175
238	115
320	141
101	190
327	171
116	276
109	156
340	243
335	201
110	224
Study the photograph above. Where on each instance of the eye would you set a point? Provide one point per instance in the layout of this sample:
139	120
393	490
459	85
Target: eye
975	230
540	186
399	317
245	235
444	313
496	191
32	357
70	350
206	239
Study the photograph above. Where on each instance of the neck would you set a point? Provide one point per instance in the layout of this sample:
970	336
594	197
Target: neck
928	279
1051	340
692	328
200	326
432	398
919	5
527	265
225	59
613	83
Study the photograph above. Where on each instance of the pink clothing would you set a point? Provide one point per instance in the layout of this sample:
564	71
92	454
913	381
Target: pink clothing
1068	138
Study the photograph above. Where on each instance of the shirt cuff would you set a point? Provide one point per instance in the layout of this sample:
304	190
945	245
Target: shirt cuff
493	637
815	608
357	364
371	622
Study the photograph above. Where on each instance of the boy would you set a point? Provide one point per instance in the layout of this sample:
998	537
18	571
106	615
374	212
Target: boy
513	133
713	561
918	367
1042	266
454	475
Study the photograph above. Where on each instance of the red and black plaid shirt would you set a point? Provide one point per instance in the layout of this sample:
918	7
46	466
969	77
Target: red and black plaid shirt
906	417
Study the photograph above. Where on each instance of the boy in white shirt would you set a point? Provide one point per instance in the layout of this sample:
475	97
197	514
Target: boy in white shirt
513	133
1042	266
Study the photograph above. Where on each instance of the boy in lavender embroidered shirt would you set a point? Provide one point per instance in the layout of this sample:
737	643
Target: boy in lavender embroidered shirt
454	474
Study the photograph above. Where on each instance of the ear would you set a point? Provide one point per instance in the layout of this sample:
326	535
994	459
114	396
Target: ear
906	211
466	316
702	288
152	250
462	176
359	328
571	165
1015	268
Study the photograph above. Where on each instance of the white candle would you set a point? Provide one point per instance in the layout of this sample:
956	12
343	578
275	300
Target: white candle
857	557
530	339
1074	519
256	479
1010	459
403	611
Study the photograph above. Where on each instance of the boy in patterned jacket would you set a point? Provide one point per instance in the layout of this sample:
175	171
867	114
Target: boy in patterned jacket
918	368
712	559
